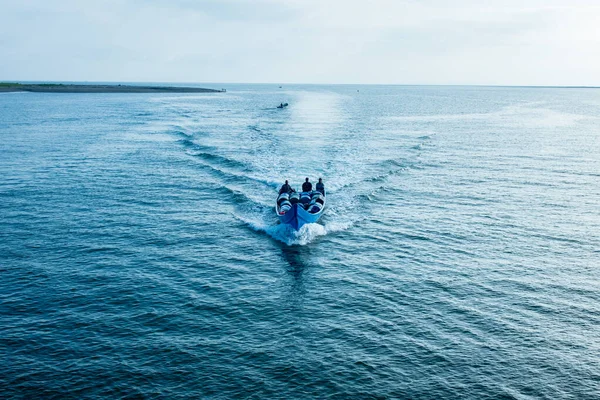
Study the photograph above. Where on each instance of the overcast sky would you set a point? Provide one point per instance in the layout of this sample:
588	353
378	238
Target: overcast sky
525	42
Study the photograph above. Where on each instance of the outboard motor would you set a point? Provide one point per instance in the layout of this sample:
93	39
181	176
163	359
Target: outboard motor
305	198
283	197
294	198
285	206
318	198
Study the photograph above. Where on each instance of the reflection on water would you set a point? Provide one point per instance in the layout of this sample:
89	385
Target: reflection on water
296	257
297	265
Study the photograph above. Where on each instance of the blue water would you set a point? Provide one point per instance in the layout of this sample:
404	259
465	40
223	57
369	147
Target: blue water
458	257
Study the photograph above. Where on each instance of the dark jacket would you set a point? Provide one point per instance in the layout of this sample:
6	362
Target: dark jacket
286	189
321	187
307	187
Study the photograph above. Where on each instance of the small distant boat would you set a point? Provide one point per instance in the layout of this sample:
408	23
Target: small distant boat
282	105
298	209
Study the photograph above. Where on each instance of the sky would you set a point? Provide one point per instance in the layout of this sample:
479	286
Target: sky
509	42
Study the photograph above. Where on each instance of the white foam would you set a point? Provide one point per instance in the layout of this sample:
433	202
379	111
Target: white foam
288	235
338	226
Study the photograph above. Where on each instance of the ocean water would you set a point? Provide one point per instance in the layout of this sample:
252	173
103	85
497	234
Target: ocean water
458	256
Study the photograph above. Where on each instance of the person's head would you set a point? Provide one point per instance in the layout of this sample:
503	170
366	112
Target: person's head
320	179
286	182
306	179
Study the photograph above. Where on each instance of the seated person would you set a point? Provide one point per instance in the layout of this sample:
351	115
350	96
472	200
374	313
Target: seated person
307	186
286	188
321	187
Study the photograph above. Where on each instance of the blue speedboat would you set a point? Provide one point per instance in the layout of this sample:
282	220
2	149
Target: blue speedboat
299	209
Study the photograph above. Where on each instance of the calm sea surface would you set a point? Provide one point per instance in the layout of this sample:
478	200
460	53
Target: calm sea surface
459	256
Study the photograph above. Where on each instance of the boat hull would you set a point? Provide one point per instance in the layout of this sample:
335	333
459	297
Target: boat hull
297	217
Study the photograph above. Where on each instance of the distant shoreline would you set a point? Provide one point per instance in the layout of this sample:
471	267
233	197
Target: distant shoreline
95	88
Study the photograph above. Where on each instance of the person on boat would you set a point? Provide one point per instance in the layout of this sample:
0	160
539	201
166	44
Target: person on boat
307	186
321	187
286	188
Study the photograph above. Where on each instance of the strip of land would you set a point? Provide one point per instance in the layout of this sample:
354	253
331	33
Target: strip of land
93	88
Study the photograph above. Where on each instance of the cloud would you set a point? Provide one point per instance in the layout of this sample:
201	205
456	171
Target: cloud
380	41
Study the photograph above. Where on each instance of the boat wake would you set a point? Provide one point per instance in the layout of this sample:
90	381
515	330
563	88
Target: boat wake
262	149
286	234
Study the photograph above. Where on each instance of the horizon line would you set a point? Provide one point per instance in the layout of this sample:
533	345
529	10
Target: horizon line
312	84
